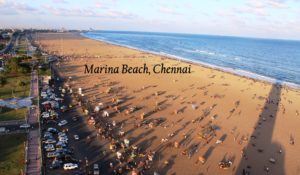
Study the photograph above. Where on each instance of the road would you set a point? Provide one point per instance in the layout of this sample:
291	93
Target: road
10	45
33	148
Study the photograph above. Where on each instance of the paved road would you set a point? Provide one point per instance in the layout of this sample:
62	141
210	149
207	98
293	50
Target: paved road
10	44
33	156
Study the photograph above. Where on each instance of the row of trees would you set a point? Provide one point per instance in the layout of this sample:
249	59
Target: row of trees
3	81
15	66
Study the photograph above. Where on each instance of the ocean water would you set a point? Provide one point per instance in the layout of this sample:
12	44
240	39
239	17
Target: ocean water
266	59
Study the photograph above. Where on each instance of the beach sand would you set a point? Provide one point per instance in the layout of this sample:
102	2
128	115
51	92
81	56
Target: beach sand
253	119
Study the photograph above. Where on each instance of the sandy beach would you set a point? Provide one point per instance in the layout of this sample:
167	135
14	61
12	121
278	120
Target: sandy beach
206	114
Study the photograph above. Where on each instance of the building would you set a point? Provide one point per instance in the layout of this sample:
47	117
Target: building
6	35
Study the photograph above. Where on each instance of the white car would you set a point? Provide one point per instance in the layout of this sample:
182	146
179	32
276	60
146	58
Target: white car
52	154
60	134
52	130
50	141
62	123
48	149
25	126
48	146
76	137
63	139
61	144
70	166
45	115
96	169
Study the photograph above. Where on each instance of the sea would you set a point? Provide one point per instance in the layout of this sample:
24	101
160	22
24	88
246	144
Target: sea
272	60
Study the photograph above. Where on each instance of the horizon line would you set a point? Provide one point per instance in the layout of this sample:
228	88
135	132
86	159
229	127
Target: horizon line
200	34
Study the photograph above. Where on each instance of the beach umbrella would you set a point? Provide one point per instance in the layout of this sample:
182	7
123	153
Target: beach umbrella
105	114
97	109
126	141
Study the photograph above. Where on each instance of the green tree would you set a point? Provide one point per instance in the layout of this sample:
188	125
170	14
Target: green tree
3	80
13	65
22	84
38	54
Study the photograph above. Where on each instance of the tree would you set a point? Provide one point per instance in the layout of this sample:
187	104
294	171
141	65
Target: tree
38	54
3	80
13	65
22	84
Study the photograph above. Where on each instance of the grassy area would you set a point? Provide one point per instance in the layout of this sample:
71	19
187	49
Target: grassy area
12	154
22	51
44	72
12	89
35	101
12	114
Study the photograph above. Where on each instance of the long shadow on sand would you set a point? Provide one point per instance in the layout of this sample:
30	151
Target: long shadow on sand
257	154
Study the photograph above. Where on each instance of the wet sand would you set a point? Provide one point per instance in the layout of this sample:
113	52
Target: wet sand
254	120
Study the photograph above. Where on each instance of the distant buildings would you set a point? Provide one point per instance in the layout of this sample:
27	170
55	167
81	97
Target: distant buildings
4	34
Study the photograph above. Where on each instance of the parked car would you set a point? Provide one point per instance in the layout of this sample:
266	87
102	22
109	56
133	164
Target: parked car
61	134
70	166
45	115
76	137
63	137
49	147
52	154
52	130
50	141
56	164
3	130
64	141
96	170
75	118
48	135
25	126
62	123
61	144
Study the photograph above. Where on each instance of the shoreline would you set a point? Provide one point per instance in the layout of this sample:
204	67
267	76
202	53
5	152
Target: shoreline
234	107
237	72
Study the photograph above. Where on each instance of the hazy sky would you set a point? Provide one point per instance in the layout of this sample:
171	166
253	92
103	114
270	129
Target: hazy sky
253	18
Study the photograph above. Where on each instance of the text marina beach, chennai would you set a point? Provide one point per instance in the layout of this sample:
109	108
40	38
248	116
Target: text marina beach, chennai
126	69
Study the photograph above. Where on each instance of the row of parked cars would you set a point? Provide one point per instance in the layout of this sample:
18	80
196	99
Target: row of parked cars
55	145
55	137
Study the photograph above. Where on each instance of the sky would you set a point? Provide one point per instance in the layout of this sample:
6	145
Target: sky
278	19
